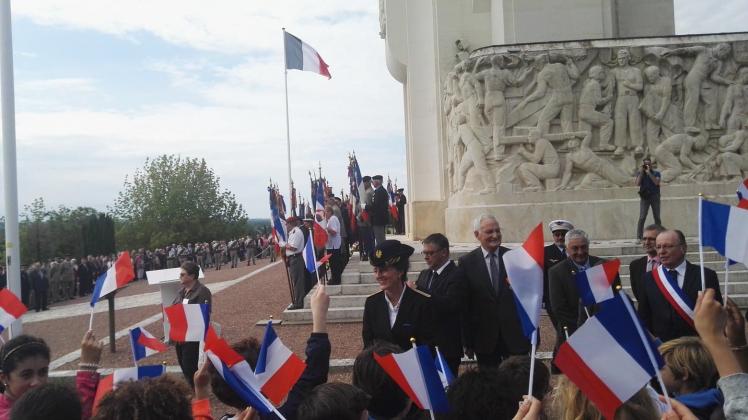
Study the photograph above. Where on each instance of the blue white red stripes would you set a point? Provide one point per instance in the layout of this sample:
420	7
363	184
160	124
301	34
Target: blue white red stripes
278	368
725	228
742	193
595	283
119	274
678	300
442	368
414	371
188	321
11	308
524	268
301	56
110	383
310	259
144	344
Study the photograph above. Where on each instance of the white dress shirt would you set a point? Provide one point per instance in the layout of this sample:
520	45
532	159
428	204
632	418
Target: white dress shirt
296	240
393	309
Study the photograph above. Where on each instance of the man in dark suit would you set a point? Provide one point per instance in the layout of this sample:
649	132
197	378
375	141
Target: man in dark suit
656	312
552	255
378	209
439	281
40	285
397	312
563	287
641	266
491	327
400	202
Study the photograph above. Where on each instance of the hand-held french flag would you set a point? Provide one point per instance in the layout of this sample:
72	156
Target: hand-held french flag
743	194
310	259
236	372
11	308
301	56
110	383
415	372
442	368
278	368
607	358
188	321
595	284
524	269
144	344
118	275
725	228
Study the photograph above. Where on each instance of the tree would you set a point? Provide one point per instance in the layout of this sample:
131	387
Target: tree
174	199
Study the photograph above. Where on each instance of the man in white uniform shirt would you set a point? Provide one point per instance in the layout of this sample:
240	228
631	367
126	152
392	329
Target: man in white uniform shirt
295	261
333	245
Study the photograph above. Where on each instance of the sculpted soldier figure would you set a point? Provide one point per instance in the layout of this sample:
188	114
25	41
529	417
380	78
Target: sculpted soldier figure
733	158
582	157
675	152
628	120
656	106
532	173
734	114
591	98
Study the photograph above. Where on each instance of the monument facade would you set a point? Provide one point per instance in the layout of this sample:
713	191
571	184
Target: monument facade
537	131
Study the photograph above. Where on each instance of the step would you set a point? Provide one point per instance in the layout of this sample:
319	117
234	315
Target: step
354	314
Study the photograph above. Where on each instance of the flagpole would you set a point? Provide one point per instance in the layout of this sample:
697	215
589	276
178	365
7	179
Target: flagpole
701	246
566	332
534	341
90	319
647	347
288	125
727	276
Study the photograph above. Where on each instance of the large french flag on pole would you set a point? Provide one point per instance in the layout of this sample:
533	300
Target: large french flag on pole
595	283
144	344
109	383
118	275
278	368
11	308
524	269
188	321
725	228
607	358
415	372
301	56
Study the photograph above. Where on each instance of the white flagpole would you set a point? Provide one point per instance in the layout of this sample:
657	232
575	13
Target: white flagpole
534	342
566	332
10	174
288	126
727	276
90	320
701	246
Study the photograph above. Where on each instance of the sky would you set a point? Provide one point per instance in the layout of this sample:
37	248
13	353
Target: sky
102	85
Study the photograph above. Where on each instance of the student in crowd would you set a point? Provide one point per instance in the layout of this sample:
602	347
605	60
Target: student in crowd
387	401
48	401
334	401
165	397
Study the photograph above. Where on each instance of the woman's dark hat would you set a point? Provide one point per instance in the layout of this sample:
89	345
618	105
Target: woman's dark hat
390	253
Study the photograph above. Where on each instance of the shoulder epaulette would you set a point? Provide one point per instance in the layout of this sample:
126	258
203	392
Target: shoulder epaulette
421	292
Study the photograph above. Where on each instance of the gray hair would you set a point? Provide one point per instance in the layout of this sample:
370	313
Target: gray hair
478	220
576	233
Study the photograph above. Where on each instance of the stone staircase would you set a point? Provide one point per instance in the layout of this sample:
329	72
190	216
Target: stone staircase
358	282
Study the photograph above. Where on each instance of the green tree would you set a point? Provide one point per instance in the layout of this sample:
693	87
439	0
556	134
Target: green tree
174	199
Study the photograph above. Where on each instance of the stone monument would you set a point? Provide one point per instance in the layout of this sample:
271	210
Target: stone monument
556	129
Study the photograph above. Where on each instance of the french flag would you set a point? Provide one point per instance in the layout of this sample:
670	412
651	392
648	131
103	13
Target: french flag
725	228
278	368
524	269
110	383
236	372
300	56
144	344
607	358
320	226
118	275
442	368
743	194
414	371
310	259
595	283
188	321
11	308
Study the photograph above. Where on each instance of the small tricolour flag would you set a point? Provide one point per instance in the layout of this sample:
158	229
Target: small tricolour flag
110	383
278	368
595	283
524	270
301	56
144	344
188	321
725	228
11	308
743	194
445	374
118	275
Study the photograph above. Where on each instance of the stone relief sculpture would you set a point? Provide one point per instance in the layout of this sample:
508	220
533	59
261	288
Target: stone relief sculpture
517	117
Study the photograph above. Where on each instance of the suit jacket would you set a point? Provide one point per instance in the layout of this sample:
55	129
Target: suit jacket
39	281
379	207
414	319
446	304
489	319
637	270
551	256
655	311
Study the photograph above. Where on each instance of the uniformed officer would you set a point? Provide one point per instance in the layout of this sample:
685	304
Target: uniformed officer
397	312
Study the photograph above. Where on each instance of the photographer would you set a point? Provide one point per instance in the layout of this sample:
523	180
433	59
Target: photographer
648	181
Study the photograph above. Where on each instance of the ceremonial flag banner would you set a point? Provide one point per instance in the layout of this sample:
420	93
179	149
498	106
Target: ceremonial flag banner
144	344
414	371
524	269
725	228
606	357
278	368
594	283
279	224
11	308
743	194
110	383
301	56
188	321
116	276
320	226
445	375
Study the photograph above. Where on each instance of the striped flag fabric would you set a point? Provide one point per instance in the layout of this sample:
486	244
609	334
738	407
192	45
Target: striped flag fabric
310	259
118	275
595	283
725	228
188	321
144	344
11	308
524	269
278	368
320	225
743	194
415	372
442	368
606	357
110	383
279	229
301	56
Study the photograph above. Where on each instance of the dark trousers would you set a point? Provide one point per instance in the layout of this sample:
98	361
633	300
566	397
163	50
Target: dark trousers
366	240
40	299
187	356
298	277
336	265
379	235
644	205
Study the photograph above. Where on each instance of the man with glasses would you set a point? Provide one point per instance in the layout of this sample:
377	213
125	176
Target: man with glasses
669	292
439	281
641	266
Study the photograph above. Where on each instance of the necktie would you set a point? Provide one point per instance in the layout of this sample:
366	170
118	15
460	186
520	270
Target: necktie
673	274
495	281
432	277
650	265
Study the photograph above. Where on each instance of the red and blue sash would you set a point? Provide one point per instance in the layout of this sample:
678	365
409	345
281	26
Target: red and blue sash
680	302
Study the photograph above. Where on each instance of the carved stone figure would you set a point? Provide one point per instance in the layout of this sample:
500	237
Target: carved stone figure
532	173
628	122
676	152
735	109
600	173
589	100
733	158
475	154
708	64
463	51
661	117
554	80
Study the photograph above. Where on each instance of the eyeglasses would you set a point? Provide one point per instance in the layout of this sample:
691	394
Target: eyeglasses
430	253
